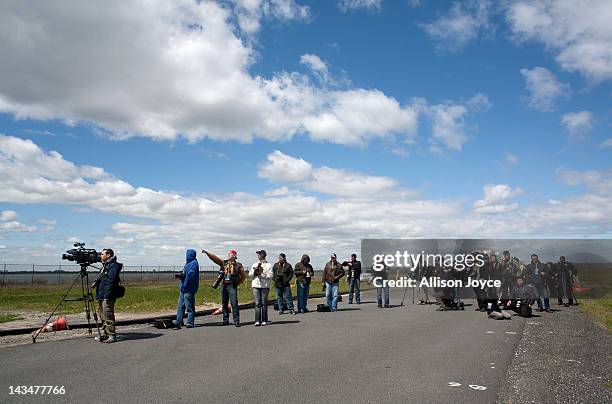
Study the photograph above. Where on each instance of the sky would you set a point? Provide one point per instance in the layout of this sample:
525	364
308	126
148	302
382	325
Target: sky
300	126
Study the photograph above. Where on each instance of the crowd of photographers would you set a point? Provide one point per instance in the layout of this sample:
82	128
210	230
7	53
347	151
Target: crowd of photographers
522	286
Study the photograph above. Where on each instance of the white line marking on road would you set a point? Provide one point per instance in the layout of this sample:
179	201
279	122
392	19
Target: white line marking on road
477	387
490	332
492	367
510	332
454	384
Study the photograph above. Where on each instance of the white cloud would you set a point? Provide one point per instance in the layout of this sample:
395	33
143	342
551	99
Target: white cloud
7	215
281	168
579	33
495	198
16	226
578	124
250	12
350	5
198	62
317	65
155	230
598	181
544	88
461	24
511	159
606	143
448	121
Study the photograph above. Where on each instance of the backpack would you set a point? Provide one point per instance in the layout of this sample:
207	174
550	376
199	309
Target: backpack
119	289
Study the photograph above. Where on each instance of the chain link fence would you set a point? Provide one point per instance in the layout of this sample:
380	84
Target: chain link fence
34	274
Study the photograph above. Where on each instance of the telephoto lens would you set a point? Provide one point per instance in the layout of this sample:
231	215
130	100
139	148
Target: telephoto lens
217	281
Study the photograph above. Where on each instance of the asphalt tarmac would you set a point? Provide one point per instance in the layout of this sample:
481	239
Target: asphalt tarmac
359	354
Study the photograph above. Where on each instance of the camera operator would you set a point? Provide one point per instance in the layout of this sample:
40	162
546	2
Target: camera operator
283	272
353	278
106	284
303	275
331	277
233	274
189	280
261	272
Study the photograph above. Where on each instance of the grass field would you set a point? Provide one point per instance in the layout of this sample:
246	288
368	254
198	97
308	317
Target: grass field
5	318
138	298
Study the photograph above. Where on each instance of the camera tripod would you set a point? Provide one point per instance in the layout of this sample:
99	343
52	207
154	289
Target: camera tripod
86	297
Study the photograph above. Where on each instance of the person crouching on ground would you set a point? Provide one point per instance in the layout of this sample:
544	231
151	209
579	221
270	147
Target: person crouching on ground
283	272
331	277
303	275
108	280
233	275
189	280
261	272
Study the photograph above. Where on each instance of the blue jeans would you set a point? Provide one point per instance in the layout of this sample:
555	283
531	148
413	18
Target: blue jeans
229	294
283	298
355	287
260	297
302	295
188	301
331	293
379	292
543	300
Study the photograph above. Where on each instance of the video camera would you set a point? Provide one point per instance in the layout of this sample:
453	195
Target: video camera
82	255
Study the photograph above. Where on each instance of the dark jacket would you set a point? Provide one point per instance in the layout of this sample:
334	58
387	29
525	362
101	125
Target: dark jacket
108	280
302	268
332	273
282	275
191	274
535	273
353	269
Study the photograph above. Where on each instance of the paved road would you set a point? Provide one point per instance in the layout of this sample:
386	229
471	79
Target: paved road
359	354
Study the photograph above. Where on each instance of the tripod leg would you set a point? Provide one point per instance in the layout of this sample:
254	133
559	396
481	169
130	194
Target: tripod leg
62	300
90	305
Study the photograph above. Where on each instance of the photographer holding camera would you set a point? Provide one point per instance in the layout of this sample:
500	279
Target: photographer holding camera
303	275
261	272
353	278
232	274
331	277
106	286
189	280
283	273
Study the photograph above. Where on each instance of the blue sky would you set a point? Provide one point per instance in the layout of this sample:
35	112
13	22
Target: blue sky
300	126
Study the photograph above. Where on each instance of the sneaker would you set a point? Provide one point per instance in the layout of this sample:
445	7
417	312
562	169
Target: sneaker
176	327
281	312
257	324
189	326
263	323
237	325
292	312
101	338
110	339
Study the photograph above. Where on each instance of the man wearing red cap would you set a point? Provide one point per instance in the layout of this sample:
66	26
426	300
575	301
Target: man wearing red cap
233	276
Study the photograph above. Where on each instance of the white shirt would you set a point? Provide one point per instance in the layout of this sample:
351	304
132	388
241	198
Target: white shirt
263	280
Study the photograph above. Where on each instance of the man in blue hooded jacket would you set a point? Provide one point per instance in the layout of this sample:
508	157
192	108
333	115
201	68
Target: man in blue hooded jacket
189	280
